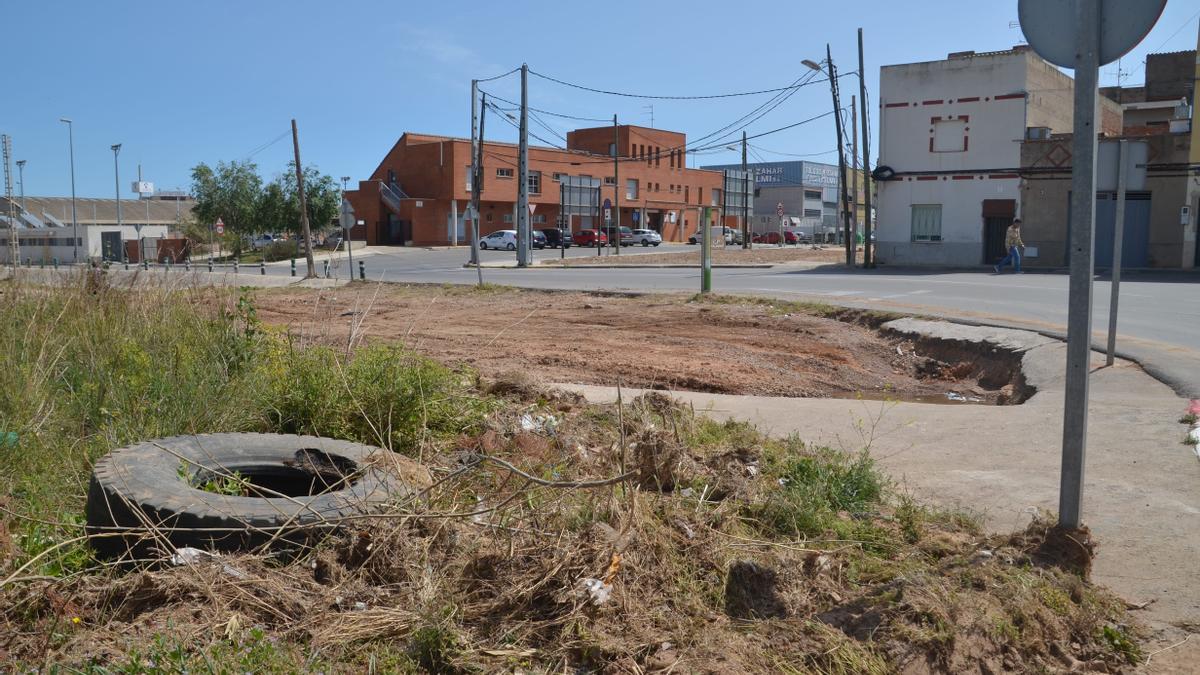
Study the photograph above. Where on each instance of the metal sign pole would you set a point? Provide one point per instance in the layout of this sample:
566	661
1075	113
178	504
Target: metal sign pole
1083	219
1118	238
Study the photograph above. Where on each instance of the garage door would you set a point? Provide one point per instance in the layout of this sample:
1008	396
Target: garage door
1135	246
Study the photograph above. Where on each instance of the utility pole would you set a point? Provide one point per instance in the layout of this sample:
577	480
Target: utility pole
745	197
837	122
305	231
474	168
523	244
476	189
616	186
854	167
868	254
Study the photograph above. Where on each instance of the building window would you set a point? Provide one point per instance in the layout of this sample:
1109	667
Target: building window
686	196
559	176
926	222
535	182
631	188
671	159
812	194
504	173
610	180
949	136
539	218
657	156
468	178
489	217
812	213
716	197
508	217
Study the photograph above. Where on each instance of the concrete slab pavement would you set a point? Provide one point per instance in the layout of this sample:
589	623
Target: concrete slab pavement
1142	490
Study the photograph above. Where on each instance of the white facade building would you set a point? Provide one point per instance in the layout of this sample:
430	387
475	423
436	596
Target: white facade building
45	230
951	132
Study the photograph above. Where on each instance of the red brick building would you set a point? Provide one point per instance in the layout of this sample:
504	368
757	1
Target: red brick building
423	181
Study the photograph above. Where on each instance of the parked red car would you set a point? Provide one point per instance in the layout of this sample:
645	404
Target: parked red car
789	237
589	238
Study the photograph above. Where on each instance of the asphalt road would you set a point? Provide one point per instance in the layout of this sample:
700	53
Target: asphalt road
1159	318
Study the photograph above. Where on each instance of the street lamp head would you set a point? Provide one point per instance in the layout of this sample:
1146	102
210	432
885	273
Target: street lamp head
812	64
21	163
64	119
116	148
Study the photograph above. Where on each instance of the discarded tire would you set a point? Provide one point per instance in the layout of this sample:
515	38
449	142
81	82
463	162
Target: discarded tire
234	492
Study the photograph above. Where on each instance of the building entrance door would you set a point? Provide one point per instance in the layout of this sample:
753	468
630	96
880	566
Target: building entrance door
654	221
110	246
998	214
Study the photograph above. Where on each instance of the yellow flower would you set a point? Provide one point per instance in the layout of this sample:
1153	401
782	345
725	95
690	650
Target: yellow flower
76	620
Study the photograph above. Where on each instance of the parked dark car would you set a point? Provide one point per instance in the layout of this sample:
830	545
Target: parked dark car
539	239
590	238
553	234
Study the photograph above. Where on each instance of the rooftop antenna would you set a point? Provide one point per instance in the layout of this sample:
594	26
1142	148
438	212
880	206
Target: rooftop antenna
651	109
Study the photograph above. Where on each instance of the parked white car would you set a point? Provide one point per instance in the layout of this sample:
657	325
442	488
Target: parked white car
647	237
505	239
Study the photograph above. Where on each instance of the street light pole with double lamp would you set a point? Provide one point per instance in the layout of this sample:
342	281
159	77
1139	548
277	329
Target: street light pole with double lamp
74	214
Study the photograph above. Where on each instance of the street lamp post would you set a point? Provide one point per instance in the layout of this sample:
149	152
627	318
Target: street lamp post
21	180
74	214
117	183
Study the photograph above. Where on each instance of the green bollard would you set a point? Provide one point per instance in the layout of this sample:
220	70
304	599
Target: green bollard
55	261
362	271
187	265
262	268
293	267
210	264
42	263
235	266
326	268
145	264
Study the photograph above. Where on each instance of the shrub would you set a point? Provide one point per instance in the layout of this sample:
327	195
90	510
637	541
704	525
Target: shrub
280	250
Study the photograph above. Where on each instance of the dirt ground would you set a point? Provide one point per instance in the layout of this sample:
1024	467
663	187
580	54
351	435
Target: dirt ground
720	345
760	254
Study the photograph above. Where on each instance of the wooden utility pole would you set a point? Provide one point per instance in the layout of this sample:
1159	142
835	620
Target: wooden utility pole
837	122
305	231
745	197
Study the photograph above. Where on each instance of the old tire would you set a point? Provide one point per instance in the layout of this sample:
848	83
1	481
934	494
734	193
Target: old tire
142	498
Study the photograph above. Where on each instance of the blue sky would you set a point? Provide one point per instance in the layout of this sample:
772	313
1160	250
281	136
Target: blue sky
179	83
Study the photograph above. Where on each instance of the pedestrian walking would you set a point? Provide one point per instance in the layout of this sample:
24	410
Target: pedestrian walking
1014	246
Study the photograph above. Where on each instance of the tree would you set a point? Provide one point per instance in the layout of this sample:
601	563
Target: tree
231	193
321	192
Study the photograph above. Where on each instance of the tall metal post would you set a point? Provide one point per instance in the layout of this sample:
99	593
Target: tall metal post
74	214
868	254
1083	226
705	252
14	238
21	181
523	238
854	168
616	221
117	183
745	197
474	152
1118	237
476	189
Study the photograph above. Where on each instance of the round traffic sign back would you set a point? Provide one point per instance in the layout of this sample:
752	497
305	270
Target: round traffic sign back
1050	27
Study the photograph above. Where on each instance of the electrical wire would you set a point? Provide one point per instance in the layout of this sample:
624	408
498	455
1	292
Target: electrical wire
546	112
665	97
268	144
793	154
497	77
504	116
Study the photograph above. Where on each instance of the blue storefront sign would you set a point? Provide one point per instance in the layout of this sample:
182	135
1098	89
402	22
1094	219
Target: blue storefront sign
788	174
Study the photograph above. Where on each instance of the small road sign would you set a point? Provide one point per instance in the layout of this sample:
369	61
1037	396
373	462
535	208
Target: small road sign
779	209
220	226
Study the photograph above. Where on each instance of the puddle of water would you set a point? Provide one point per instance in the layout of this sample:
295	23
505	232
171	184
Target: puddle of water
937	399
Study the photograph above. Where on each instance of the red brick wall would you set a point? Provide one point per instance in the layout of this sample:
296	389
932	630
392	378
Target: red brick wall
433	170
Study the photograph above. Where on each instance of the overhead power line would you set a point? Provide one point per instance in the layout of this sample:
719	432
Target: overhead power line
675	98
548	112
497	77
